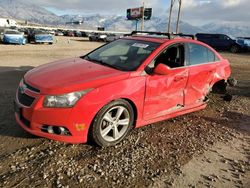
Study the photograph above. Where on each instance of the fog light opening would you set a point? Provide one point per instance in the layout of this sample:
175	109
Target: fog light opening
55	130
50	130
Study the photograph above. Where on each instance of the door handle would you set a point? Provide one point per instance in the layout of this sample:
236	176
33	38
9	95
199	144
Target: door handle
176	79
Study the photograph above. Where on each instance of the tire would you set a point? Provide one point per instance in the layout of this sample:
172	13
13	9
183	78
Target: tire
106	130
235	49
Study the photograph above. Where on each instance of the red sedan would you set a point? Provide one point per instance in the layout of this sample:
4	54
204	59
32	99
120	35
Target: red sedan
128	83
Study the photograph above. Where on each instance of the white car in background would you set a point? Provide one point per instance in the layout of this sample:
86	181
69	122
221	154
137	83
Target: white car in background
112	37
97	37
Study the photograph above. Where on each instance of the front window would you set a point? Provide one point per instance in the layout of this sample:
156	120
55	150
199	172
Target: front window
123	54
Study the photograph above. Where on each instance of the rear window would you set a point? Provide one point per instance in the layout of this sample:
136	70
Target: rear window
199	54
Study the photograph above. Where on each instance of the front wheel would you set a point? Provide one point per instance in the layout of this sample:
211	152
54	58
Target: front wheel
112	123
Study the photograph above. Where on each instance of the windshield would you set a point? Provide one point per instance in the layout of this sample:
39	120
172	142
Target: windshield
13	33
232	37
123	54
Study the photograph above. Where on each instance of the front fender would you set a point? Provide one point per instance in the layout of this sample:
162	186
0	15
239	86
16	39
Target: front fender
132	89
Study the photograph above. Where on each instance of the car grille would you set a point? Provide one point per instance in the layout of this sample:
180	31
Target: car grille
25	99
31	88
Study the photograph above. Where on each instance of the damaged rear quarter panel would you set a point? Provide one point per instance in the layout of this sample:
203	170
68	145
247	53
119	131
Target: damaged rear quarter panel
223	71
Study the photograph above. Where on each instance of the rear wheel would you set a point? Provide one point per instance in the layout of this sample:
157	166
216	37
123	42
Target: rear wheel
235	49
112	123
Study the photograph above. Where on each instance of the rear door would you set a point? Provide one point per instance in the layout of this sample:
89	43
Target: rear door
202	64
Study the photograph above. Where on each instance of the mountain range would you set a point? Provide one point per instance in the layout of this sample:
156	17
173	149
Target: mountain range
17	9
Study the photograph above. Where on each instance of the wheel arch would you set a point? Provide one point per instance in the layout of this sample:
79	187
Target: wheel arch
133	105
235	45
220	86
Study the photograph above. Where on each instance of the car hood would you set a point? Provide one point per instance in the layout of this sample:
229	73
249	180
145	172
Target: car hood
71	75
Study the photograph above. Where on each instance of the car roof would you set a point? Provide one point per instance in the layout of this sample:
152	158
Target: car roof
160	40
148	39
159	37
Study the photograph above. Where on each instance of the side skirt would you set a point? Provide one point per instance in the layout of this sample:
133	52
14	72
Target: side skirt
169	116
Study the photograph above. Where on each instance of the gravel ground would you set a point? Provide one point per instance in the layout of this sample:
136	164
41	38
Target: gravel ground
163	154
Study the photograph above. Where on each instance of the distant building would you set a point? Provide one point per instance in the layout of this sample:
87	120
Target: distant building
5	22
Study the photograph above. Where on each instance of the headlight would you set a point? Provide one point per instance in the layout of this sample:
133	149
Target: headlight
64	101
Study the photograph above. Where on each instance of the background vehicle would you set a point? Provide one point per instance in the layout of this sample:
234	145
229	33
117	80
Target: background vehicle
244	42
13	37
39	36
131	82
77	34
69	33
59	33
84	34
97	37
1	33
220	42
112	37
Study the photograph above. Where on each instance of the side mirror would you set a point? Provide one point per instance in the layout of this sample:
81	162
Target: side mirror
162	69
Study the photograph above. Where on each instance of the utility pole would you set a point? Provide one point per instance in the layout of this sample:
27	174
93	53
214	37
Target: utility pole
142	21
170	15
179	15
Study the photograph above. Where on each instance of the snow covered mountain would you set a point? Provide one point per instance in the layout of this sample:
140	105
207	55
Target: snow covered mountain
234	29
21	10
120	23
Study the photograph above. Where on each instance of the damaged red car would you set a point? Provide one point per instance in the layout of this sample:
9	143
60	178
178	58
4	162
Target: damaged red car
131	82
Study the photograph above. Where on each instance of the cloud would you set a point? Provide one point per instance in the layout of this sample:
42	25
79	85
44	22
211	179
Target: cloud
216	10
109	6
230	3
195	3
194	11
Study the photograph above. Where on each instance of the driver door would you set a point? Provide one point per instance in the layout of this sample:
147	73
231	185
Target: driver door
165	93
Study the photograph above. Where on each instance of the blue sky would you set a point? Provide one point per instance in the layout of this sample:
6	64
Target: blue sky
193	11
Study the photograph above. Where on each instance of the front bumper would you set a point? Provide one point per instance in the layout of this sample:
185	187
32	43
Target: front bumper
33	118
44	41
14	41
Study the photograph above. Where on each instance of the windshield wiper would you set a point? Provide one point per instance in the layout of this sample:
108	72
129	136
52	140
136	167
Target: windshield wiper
108	65
102	63
87	58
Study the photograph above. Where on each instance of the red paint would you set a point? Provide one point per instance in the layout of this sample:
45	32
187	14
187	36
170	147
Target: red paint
164	94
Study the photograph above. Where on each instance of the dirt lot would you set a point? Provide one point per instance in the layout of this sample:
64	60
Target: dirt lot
209	148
